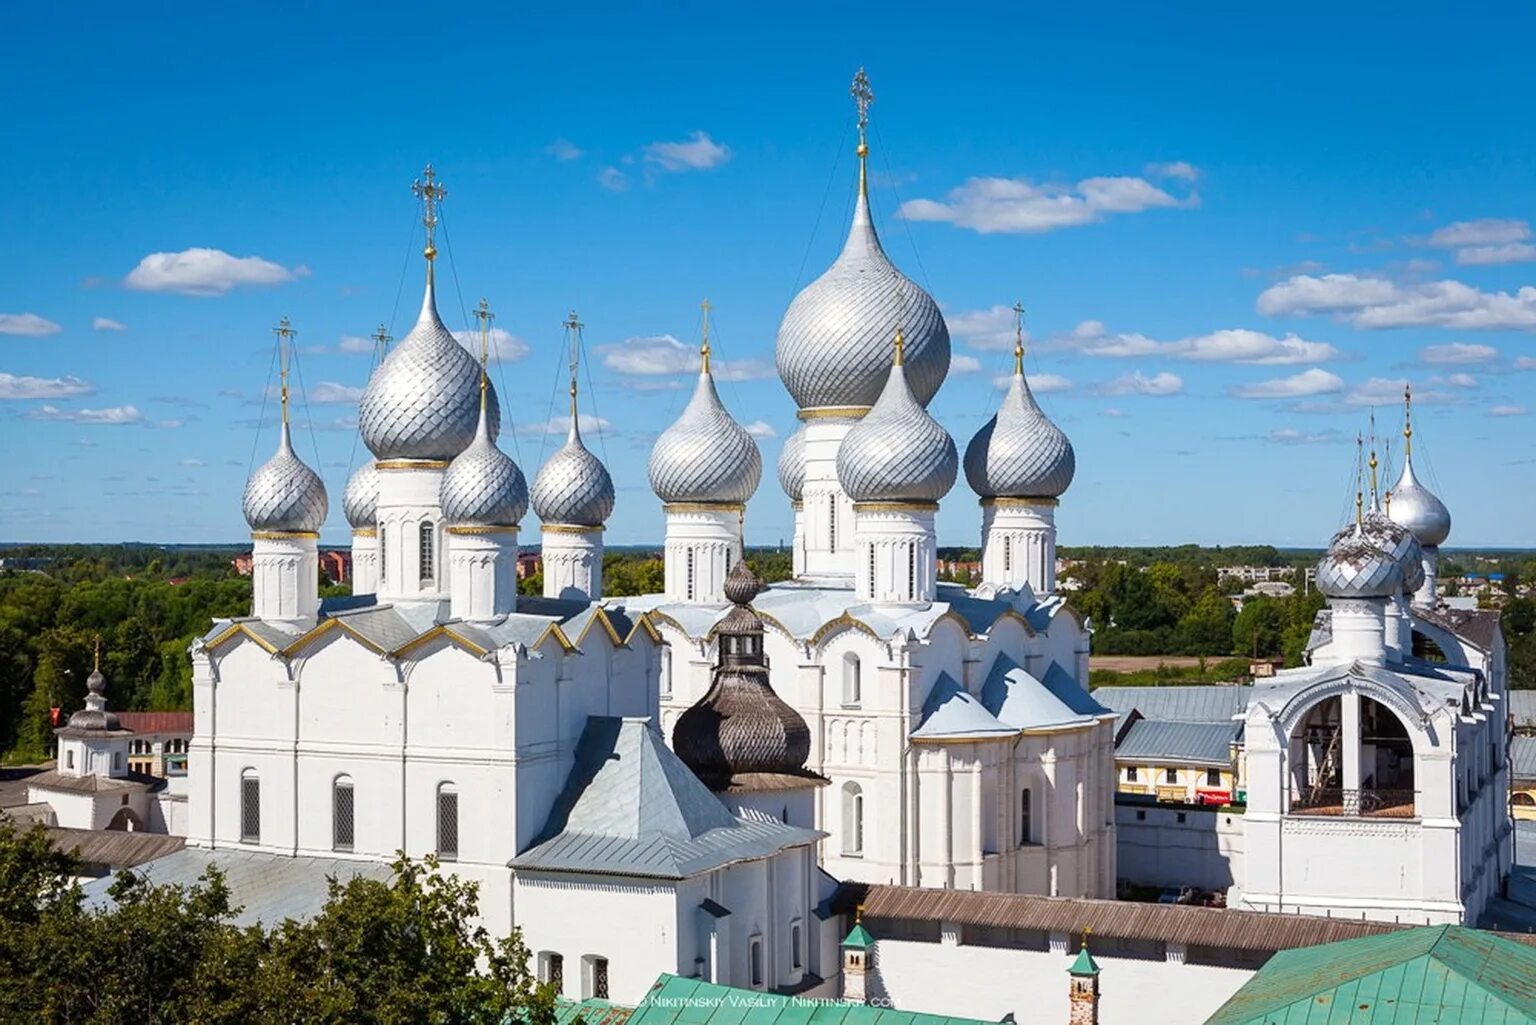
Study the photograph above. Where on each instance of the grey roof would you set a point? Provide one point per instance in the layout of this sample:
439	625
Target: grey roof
113	847
1522	757
631	807
1522	709
1478	627
1188	743
1017	698
1212	703
267	888
951	712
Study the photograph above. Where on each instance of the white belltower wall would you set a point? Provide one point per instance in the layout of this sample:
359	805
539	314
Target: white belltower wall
1019	543
572	557
285	576
703	543
411	563
898	556
482	571
826	516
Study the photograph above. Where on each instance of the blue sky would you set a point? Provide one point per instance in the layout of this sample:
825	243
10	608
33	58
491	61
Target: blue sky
1234	234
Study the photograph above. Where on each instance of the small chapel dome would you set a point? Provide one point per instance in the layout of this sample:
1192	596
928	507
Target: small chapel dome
897	452
1020	453
792	465
573	487
705	456
483	486
284	495
360	502
1355	568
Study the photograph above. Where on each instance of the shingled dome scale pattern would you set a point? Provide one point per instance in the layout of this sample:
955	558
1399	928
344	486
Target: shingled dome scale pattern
360	502
574	487
897	453
483	486
705	456
1020	453
284	494
1356	568
792	465
1397	541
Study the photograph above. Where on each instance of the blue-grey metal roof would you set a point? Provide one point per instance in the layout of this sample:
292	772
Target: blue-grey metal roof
631	807
951	712
267	888
1522	709
1020	700
1522	757
1187	703
1185	743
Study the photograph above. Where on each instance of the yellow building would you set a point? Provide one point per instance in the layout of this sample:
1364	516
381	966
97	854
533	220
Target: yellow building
1522	786
1180	762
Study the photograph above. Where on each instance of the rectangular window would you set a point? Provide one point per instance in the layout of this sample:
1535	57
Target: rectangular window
1170	775
1026	817
69	759
552	971
383	554
796	958
912	571
341	824
250	810
447	825
427	568
1130	774
872	571
117	760
832	524
599	967
690	575
1213	777
755	955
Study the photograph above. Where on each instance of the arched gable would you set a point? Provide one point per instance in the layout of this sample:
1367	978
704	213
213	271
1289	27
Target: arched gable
1401	702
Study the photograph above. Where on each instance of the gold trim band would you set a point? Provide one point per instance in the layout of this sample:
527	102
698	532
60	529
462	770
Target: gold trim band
570	528
1038	503
282	535
684	507
833	413
485	529
365	532
895	506
412	464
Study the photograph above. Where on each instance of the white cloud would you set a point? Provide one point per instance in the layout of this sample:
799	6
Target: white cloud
1112	413
1040	384
1368	302
356	343
1525	362
658	355
1460	380
1159	385
563	150
1458	353
991	328
1486	231
193	464
1017	205
696	153
960	363
328	393
502	345
1388	391
28	324
1308	382
1481	256
14	387
761	429
612	179
1229	345
1180	169
112	416
206	272
559	426
108	324
1291	436
1508	411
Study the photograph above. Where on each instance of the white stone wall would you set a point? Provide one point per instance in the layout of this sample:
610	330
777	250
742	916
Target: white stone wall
1156	849
567	915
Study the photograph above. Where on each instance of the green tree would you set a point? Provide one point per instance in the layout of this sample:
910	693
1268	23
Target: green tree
1258	628
1207	628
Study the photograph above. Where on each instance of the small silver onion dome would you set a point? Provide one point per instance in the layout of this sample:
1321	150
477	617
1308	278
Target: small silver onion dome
897	452
574	486
705	456
423	400
483	486
284	494
1020	453
792	465
834	344
1397	541
360	502
94	716
1355	568
1417	508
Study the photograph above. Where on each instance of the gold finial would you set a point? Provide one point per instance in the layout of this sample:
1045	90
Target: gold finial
573	328
858	913
431	193
1018	338
1407	420
285	333
863	96
704	347
96	658
901	348
1375	493
484	315
1359	487
381	339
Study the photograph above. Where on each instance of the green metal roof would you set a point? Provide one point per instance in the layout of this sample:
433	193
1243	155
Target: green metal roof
589	1012
1434	975
676	1001
859	937
1085	964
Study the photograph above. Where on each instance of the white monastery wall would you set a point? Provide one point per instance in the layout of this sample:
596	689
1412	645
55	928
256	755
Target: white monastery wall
1156	849
564	914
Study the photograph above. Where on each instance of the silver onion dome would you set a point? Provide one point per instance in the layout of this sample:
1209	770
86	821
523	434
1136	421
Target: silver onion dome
792	465
360	502
483	486
705	456
1020	453
574	486
897	452
284	494
1355	568
423	401
1419	509
1394	539
834	344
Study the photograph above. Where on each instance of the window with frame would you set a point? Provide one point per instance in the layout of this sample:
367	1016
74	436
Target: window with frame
447	822
1213	777
1170	775
853	819
1007	555
832	524
666	670
1026	816
552	970
690	588
343	806
796	950
250	807
383	553
853	684
912	571
597	978
117	760
755	961
1132	774
872	578
428	534
69	758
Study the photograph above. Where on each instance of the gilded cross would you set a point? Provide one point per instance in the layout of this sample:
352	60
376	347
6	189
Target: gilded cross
863	96
1018	337
285	332
431	193
573	326
382	338
704	348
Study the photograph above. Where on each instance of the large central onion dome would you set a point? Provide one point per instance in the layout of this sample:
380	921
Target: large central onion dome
483	486
1020	453
574	486
741	734
423	400
360	502
834	342
897	452
284	495
1419	509
705	456
1355	568
792	465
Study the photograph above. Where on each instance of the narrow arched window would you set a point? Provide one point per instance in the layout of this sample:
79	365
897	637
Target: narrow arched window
1026	816
342	809
853	686
250	807
666	671
832	525
1007	555
853	819
912	571
872	582
447	822
428	535
690	589
383	553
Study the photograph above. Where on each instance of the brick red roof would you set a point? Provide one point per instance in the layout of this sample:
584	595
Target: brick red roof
156	722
